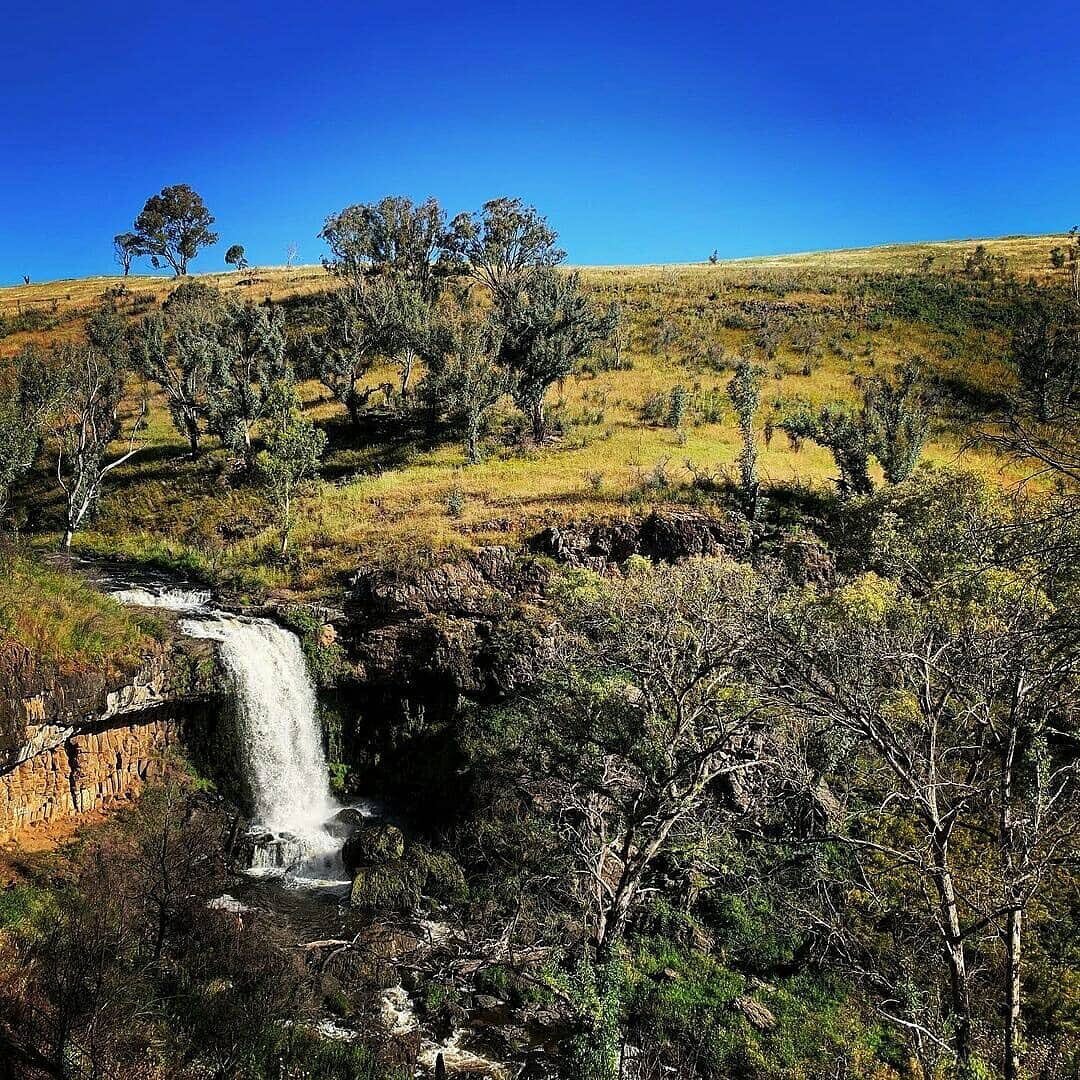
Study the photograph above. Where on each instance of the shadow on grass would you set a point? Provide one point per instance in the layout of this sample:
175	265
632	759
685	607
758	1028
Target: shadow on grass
964	400
386	441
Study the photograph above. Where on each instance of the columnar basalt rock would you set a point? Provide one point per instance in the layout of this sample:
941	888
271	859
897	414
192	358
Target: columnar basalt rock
77	746
91	771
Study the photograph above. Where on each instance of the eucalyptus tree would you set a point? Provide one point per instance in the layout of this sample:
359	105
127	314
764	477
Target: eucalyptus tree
464	382
173	226
633	717
86	420
399	244
181	348
1046	353
392	236
236	257
744	390
503	246
294	448
126	248
931	720
841	428
360	325
897	412
29	391
251	359
546	327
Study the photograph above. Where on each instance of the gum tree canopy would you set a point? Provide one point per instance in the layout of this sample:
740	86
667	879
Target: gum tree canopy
173	226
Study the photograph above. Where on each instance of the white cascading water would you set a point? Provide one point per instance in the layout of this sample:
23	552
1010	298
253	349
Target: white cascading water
281	740
280	735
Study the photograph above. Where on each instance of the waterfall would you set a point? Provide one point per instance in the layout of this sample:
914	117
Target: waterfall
280	737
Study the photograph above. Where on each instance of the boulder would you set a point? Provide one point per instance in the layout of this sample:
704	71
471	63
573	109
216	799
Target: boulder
757	1014
265	851
393	886
346	820
372	844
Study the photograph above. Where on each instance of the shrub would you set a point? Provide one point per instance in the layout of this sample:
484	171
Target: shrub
324	653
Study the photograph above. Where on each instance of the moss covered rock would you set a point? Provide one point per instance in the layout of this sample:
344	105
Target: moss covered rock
397	884
372	844
393	886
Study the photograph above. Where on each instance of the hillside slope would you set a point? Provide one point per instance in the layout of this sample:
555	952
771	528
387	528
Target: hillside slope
818	323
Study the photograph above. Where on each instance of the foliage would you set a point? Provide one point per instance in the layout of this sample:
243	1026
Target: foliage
463	383
546	327
1046	352
126	248
294	448
744	389
897	420
250	363
597	993
325	655
645	685
27	403
83	424
291	1052
841	429
393	237
172	226
503	247
236	256
390	254
181	349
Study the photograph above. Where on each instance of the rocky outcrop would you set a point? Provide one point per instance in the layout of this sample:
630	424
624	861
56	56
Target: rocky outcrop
471	628
446	625
663	536
89	771
88	743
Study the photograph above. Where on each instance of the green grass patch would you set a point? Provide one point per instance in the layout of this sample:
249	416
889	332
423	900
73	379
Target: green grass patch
52	619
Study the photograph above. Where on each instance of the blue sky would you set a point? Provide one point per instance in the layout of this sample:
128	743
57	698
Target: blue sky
646	132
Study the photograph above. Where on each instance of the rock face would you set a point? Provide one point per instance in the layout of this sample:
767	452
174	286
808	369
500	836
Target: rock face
663	536
472	628
419	642
91	771
79	746
372	843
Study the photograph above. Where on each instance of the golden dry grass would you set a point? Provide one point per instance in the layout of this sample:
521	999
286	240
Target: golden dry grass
384	502
1025	254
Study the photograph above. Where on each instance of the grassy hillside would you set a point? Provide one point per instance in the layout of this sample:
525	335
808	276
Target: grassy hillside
818	322
55	624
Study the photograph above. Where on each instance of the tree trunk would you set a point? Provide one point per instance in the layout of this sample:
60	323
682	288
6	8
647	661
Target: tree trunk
193	437
65	544
406	371
1013	1029
536	412
286	521
959	997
